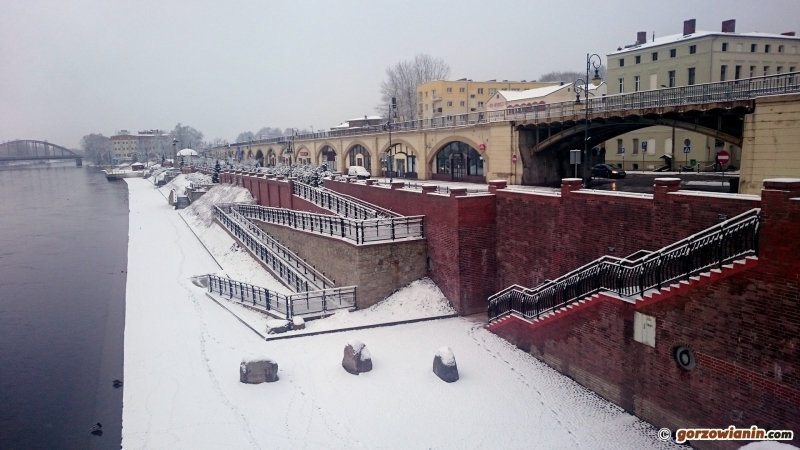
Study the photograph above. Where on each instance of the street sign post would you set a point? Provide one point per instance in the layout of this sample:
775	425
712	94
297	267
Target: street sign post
723	158
644	149
575	159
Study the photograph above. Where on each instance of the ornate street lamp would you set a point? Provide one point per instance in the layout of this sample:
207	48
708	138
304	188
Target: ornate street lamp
582	86
174	151
392	116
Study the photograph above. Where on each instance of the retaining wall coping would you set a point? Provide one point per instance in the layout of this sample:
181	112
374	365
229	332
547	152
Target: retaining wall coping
751	197
638	195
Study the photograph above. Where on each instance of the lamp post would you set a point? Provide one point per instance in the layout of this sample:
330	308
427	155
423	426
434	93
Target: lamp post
392	116
174	151
593	61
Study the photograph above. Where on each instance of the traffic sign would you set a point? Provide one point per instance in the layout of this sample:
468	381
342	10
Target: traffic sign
687	142
514	159
644	145
723	157
622	151
687	149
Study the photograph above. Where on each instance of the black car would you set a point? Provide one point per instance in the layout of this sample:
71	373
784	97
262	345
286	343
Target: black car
607	171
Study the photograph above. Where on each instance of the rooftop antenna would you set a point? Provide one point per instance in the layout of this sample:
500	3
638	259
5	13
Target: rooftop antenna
654	36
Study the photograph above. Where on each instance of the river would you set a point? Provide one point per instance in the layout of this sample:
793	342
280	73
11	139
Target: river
63	264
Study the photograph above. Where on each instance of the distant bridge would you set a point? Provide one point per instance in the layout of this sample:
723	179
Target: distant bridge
27	150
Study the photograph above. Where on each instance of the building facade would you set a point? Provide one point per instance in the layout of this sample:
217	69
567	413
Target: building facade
142	146
692	57
442	98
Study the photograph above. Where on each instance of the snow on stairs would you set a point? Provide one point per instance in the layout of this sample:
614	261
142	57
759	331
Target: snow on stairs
650	296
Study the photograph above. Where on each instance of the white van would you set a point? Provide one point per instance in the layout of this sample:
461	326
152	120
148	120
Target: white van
358	172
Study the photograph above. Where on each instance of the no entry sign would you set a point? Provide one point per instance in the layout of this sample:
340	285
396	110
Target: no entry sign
514	159
723	157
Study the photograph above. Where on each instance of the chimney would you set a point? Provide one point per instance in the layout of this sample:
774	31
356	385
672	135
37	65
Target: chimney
729	26
641	37
788	33
688	26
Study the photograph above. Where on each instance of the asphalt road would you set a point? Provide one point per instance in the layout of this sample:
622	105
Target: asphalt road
643	182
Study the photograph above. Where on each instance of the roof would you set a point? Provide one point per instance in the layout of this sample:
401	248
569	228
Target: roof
512	96
675	38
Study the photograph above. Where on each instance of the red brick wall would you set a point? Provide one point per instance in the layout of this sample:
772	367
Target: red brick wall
744	330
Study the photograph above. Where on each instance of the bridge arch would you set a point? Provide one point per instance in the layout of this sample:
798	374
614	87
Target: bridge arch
303	154
359	154
272	159
327	154
457	158
31	150
404	159
260	157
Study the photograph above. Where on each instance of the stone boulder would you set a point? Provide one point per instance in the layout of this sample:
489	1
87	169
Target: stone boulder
276	326
258	369
298	323
444	365
356	358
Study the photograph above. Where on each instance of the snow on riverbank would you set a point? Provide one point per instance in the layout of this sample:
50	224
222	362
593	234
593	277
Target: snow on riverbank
182	389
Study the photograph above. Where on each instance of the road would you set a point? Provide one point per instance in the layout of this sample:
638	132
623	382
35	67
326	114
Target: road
643	182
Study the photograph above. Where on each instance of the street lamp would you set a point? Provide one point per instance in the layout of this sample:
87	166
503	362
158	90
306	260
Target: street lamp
392	116
582	86
174	151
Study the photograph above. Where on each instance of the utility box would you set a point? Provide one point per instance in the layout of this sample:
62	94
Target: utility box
644	329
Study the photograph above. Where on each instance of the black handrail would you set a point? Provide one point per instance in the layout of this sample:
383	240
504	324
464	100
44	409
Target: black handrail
301	303
342	205
711	248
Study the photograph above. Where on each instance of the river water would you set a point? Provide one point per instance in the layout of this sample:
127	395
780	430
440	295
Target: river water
63	260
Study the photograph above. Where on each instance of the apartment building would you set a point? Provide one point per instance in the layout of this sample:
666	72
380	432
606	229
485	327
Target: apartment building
691	57
442	98
127	146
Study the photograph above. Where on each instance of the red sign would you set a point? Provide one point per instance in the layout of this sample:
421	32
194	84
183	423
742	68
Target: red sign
482	147
723	157
514	159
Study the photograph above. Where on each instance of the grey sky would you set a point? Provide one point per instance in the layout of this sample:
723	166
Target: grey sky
70	68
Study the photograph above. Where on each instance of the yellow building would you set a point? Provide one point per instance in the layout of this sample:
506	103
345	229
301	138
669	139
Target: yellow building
692	57
442	98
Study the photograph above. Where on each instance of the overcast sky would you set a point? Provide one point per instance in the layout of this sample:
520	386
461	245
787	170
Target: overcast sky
70	68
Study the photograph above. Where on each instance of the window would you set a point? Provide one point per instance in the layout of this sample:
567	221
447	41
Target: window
637	83
449	103
767	48
738	73
463	103
462	90
433	93
472	96
724	46
635	149
461	157
780	49
619	146
671	78
492	91
480	104
752	71
691	76
722	70
673	53
426	107
449	90
655	56
778	70
622	62
480	91
766	70
621	85
638	59
426	94
753	48
792	69
692	49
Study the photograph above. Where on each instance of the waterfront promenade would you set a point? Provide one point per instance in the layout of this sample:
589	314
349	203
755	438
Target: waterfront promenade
182	390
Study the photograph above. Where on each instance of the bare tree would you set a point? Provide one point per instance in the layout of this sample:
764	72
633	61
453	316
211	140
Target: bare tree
569	76
245	136
96	148
402	80
187	136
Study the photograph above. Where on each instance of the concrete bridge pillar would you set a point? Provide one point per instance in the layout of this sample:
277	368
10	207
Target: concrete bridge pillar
79	162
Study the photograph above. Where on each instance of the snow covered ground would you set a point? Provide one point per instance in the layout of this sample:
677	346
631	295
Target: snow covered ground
182	389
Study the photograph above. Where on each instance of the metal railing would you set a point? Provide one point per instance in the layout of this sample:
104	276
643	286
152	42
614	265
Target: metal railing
358	231
299	304
290	268
722	91
440	189
730	240
342	205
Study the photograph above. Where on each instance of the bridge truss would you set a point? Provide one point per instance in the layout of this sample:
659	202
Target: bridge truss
28	150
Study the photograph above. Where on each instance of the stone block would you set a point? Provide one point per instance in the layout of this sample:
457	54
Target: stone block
277	326
356	357
298	323
258	369
444	365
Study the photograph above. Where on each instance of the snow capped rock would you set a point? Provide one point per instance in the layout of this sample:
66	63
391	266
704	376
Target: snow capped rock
444	365
356	358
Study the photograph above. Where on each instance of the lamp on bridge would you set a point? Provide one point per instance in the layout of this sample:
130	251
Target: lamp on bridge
582	87
392	116
174	151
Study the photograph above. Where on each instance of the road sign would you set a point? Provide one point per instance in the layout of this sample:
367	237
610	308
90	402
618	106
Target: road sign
644	145
687	149
687	142
574	156
622	151
514	159
723	157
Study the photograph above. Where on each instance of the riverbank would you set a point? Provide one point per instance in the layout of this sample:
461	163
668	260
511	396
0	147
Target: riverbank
182	389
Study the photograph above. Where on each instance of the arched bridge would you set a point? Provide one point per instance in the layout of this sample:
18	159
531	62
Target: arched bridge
27	150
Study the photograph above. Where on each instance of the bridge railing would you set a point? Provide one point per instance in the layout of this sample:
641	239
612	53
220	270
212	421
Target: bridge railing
711	248
358	231
721	91
301	303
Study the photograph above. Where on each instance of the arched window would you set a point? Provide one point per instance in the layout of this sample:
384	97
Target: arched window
359	156
328	157
271	159
459	159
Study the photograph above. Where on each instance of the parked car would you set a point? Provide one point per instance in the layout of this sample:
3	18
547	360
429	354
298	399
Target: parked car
358	172
607	171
